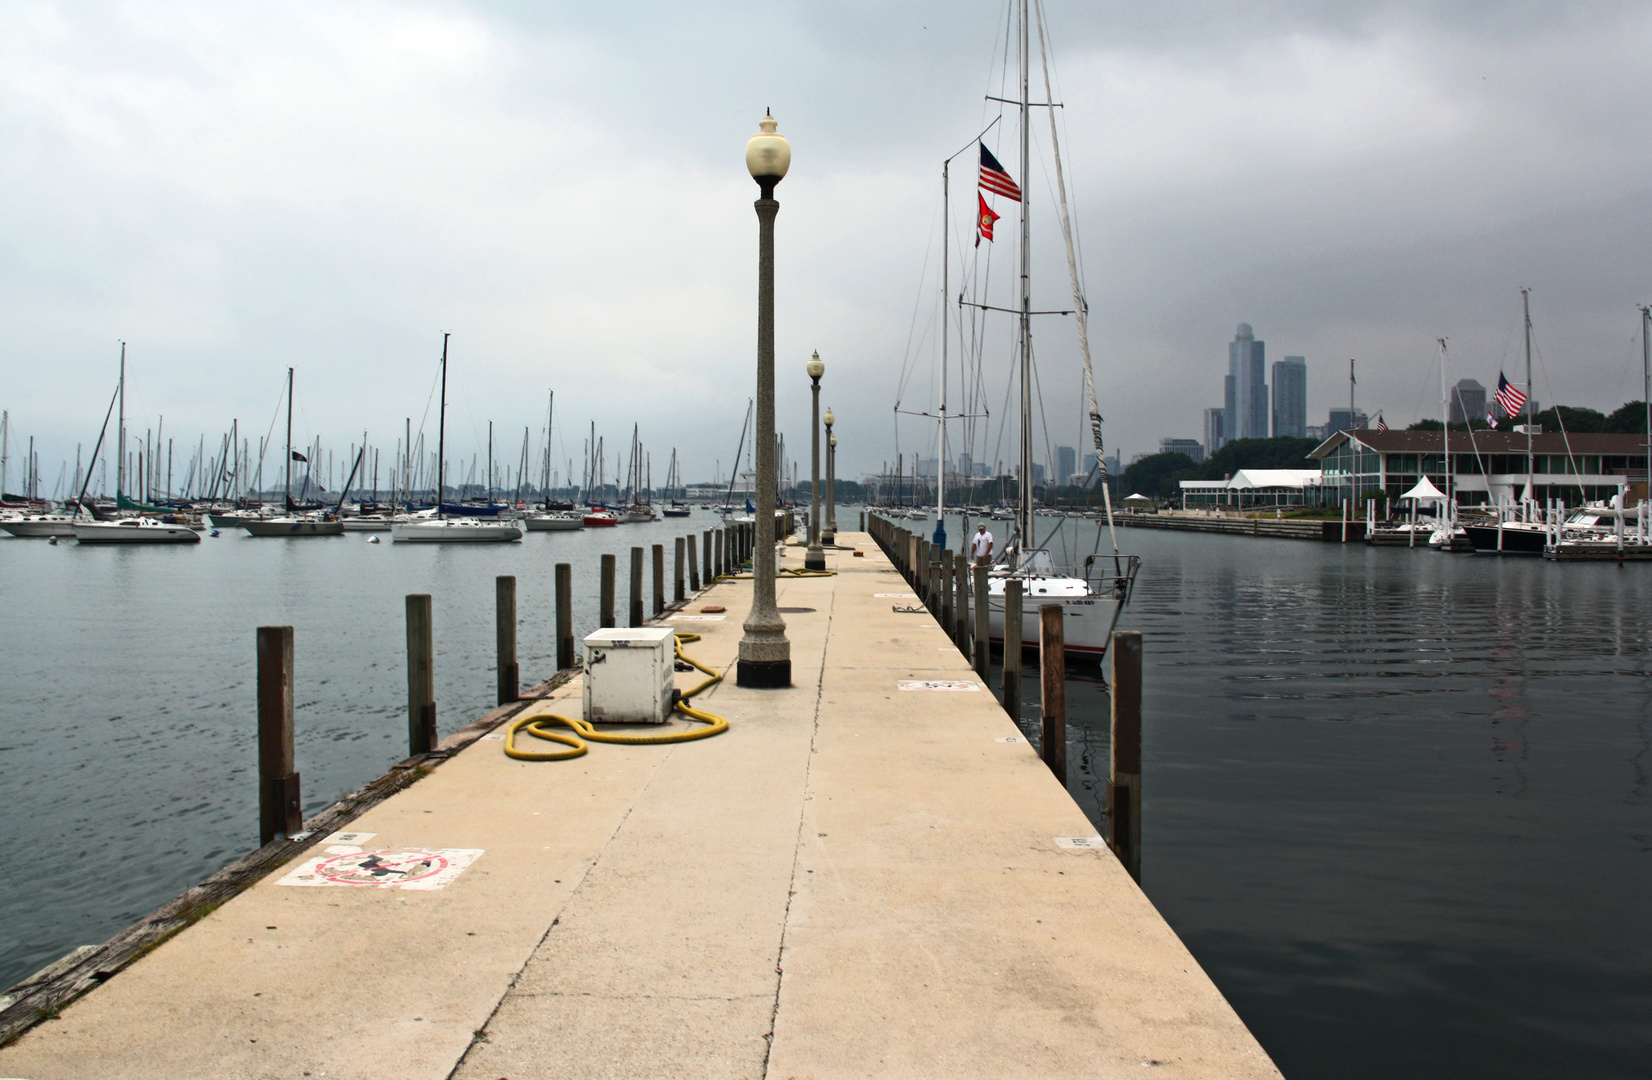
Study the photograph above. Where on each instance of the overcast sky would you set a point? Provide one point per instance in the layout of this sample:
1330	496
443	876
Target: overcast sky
233	189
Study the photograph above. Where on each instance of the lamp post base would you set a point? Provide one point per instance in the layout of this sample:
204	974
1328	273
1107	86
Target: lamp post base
763	674
829	538
815	559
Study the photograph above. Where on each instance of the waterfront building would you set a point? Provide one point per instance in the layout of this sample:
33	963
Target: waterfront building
1468	401
1066	463
1489	467
1213	431
1290	398
1246	390
1191	447
1254	487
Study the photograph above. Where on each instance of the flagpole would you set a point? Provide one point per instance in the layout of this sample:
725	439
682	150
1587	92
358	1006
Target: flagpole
1026	302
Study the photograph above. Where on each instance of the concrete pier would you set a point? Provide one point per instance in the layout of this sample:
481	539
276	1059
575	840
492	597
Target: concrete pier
869	874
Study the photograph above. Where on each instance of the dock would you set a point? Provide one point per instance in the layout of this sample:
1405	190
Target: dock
855	880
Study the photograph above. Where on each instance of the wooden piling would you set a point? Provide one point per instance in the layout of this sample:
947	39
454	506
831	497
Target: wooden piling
717	563
659	580
421	676
564	616
605	613
705	558
983	613
678	590
1124	777
1012	647
960	602
943	588
280	811
504	625
635	610
1052	677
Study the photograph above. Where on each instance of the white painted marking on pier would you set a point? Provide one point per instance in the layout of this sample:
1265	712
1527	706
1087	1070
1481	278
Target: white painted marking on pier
342	849
422	869
1010	738
937	684
698	618
1080	843
357	838
495	735
896	595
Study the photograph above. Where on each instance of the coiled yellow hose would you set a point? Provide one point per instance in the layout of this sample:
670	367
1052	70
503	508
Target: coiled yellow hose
543	725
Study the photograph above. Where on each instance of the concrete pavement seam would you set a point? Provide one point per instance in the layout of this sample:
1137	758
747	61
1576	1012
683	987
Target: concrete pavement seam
797	849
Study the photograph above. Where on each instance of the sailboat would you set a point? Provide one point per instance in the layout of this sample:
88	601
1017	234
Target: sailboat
674	509
290	524
1092	596
548	519
129	530
440	528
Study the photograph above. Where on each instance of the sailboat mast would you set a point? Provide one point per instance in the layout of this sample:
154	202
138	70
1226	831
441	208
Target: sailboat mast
1646	391
946	230
1445	421
120	430
441	432
1026	299
1526	320
288	507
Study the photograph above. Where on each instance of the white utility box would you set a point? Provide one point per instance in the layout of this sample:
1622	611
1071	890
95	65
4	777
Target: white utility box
629	675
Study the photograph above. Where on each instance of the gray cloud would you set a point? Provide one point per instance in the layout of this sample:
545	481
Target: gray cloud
233	190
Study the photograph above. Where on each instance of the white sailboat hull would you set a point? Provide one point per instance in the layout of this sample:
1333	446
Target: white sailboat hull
1089	619
134	531
40	525
553	522
454	530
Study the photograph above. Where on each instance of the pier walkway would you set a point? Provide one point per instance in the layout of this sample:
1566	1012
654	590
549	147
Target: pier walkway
855	880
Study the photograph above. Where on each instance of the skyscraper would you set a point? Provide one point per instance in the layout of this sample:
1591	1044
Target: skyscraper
1213	431
1290	398
1468	402
1066	464
1248	401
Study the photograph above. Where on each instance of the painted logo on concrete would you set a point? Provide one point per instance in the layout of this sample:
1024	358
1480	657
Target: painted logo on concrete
385	868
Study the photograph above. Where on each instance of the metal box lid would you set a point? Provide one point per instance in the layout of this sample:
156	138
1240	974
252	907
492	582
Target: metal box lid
634	637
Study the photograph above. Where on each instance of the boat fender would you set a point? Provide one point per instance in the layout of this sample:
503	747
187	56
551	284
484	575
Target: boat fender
214	532
372	539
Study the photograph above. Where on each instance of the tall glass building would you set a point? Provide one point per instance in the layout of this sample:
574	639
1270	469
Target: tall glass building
1247	390
1290	398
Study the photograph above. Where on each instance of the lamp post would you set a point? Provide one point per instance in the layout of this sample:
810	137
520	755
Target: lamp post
765	654
816	558
829	535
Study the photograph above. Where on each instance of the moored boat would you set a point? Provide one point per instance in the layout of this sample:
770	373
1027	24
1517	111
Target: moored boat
138	530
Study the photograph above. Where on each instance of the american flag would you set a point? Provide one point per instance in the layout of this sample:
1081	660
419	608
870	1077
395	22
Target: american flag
1382	425
1509	396
995	179
1491	420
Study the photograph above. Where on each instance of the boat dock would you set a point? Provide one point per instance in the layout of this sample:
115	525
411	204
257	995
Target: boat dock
871	873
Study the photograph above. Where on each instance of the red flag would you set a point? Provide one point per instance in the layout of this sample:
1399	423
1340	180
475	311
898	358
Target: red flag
984	229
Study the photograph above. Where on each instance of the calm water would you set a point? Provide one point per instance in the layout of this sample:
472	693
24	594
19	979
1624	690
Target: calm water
1396	802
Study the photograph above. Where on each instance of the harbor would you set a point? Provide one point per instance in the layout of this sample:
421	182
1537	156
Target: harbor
1145	574
632	912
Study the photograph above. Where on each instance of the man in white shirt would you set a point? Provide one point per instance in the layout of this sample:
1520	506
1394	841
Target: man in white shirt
980	546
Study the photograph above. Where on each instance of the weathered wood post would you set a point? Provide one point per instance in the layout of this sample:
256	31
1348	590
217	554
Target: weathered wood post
421	676
659	579
716	537
605	613
678	595
923	572
564	616
983	624
960	603
504	623
1124	778
280	812
1052	677
943	588
705	559
635	610
1012	647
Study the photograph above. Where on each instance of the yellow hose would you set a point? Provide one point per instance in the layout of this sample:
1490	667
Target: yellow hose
542	725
